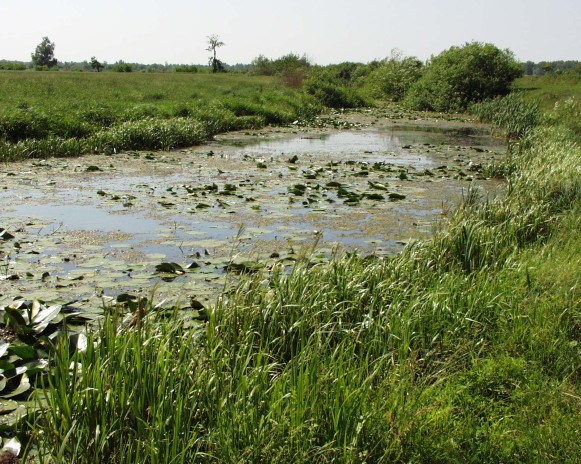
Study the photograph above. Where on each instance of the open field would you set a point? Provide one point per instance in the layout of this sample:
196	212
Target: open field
463	347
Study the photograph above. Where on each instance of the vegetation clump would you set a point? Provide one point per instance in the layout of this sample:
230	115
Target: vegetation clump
463	75
393	77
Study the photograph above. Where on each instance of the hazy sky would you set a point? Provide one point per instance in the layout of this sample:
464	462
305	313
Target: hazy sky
175	31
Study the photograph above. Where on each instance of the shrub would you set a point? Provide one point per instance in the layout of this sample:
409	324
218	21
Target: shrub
462	75
332	95
394	77
186	68
121	66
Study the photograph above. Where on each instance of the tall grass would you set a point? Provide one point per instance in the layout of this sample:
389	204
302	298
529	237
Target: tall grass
462	349
511	115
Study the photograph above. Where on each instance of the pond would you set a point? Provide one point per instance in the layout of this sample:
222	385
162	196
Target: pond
97	226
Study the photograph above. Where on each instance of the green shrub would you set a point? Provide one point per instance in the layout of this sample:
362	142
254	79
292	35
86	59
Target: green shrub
121	66
463	75
144	111
186	68
333	96
393	77
100	115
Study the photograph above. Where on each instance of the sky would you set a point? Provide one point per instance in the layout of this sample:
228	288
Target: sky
326	31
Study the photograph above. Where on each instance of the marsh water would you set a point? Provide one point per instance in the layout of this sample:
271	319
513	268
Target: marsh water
97	226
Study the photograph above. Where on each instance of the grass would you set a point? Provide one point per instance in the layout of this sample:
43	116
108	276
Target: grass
549	89
68	114
461	349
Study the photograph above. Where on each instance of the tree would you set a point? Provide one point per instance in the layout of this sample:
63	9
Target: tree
44	54
213	43
462	75
95	64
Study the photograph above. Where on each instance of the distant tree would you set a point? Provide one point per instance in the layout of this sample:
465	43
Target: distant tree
261	66
462	75
529	68
121	66
44	54
95	64
214	43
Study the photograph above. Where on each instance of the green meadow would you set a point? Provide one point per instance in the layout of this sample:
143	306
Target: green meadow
550	88
69	114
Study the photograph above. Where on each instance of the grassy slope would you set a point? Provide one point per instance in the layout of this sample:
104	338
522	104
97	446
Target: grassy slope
549	89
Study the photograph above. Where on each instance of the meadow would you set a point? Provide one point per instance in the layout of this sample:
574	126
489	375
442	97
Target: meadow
549	89
68	114
463	348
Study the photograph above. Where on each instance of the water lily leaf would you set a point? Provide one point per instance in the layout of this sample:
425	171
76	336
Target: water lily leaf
78	343
195	304
377	185
24	352
169	268
44	317
5	235
22	387
6	407
245	267
13	446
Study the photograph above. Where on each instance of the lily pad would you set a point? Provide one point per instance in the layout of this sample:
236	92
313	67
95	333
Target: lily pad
170	268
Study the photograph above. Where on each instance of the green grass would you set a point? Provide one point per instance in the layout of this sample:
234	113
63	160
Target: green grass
68	114
461	349
549	89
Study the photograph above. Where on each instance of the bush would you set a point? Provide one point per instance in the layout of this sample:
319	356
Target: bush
12	67
394	77
332	95
23	124
186	68
120	66
462	75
